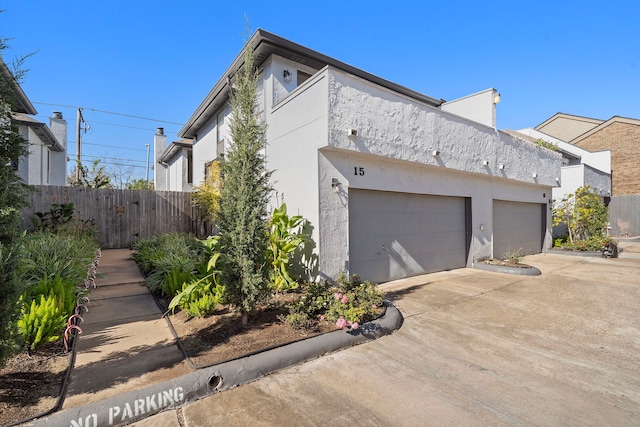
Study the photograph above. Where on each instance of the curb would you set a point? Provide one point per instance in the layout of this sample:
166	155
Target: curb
136	405
530	271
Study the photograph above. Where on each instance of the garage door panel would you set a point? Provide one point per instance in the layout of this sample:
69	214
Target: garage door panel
395	235
516	226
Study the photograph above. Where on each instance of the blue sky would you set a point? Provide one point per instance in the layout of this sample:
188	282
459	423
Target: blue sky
158	59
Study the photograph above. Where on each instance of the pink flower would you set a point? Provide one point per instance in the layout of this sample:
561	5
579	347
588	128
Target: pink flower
337	295
322	317
355	325
344	299
374	306
341	323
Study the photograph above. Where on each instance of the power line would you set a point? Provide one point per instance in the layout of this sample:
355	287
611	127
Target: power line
91	156
114	146
109	112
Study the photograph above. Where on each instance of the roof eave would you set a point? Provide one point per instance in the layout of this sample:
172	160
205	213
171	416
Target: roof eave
24	105
265	44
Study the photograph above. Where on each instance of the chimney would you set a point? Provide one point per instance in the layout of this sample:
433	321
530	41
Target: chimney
58	159
159	171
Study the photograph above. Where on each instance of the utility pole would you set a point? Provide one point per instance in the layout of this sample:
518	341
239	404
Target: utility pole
79	120
147	165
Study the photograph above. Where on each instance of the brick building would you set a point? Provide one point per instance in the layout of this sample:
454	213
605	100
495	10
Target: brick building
620	135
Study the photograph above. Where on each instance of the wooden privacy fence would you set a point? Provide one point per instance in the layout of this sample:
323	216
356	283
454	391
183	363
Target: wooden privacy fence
624	215
121	217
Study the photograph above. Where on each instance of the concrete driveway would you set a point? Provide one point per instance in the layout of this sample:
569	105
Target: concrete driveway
476	348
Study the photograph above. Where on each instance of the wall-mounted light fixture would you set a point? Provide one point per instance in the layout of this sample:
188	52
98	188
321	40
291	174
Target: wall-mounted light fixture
352	132
286	75
482	227
435	153
496	98
534	175
501	167
485	163
335	185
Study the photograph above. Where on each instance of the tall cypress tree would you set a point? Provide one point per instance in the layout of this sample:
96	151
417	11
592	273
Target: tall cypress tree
242	218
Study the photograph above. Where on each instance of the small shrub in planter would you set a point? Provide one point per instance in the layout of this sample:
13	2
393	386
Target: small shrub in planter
348	303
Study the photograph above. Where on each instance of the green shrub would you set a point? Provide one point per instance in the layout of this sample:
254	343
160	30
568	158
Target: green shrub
65	292
173	253
174	281
201	296
285	237
42	321
349	302
60	255
11	287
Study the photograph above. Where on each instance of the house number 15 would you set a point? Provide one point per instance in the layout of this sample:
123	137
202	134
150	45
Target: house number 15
358	171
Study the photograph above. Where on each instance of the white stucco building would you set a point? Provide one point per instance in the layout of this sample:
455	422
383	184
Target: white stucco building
46	163
173	163
395	183
579	167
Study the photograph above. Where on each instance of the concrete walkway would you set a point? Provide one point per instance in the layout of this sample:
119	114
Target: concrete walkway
125	343
476	349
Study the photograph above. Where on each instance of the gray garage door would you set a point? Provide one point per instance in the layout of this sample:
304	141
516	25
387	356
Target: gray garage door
397	235
516	226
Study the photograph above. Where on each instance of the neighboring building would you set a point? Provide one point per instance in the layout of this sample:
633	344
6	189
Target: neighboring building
46	163
173	164
621	136
393	183
579	167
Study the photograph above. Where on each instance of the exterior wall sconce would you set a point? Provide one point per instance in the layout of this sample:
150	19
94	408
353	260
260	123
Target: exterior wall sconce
485	163
435	153
535	175
335	185
501	167
352	132
558	181
286	75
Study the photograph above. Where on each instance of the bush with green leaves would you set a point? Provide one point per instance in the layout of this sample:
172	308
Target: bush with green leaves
348	303
42	321
57	255
583	213
285	237
57	216
53	269
200	296
168	258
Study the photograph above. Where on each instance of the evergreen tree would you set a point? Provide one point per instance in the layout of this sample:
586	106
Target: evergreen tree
242	216
13	192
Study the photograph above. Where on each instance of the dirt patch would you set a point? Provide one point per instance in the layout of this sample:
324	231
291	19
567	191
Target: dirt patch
30	383
222	337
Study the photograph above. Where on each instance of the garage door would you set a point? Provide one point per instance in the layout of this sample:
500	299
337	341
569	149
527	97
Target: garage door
516	226
397	235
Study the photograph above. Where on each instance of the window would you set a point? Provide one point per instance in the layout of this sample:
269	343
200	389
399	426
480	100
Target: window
190	167
302	77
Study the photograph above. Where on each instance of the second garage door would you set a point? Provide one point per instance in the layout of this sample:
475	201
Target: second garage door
397	235
517	226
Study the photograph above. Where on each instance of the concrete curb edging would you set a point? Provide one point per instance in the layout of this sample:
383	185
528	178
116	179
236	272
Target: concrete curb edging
139	404
530	271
